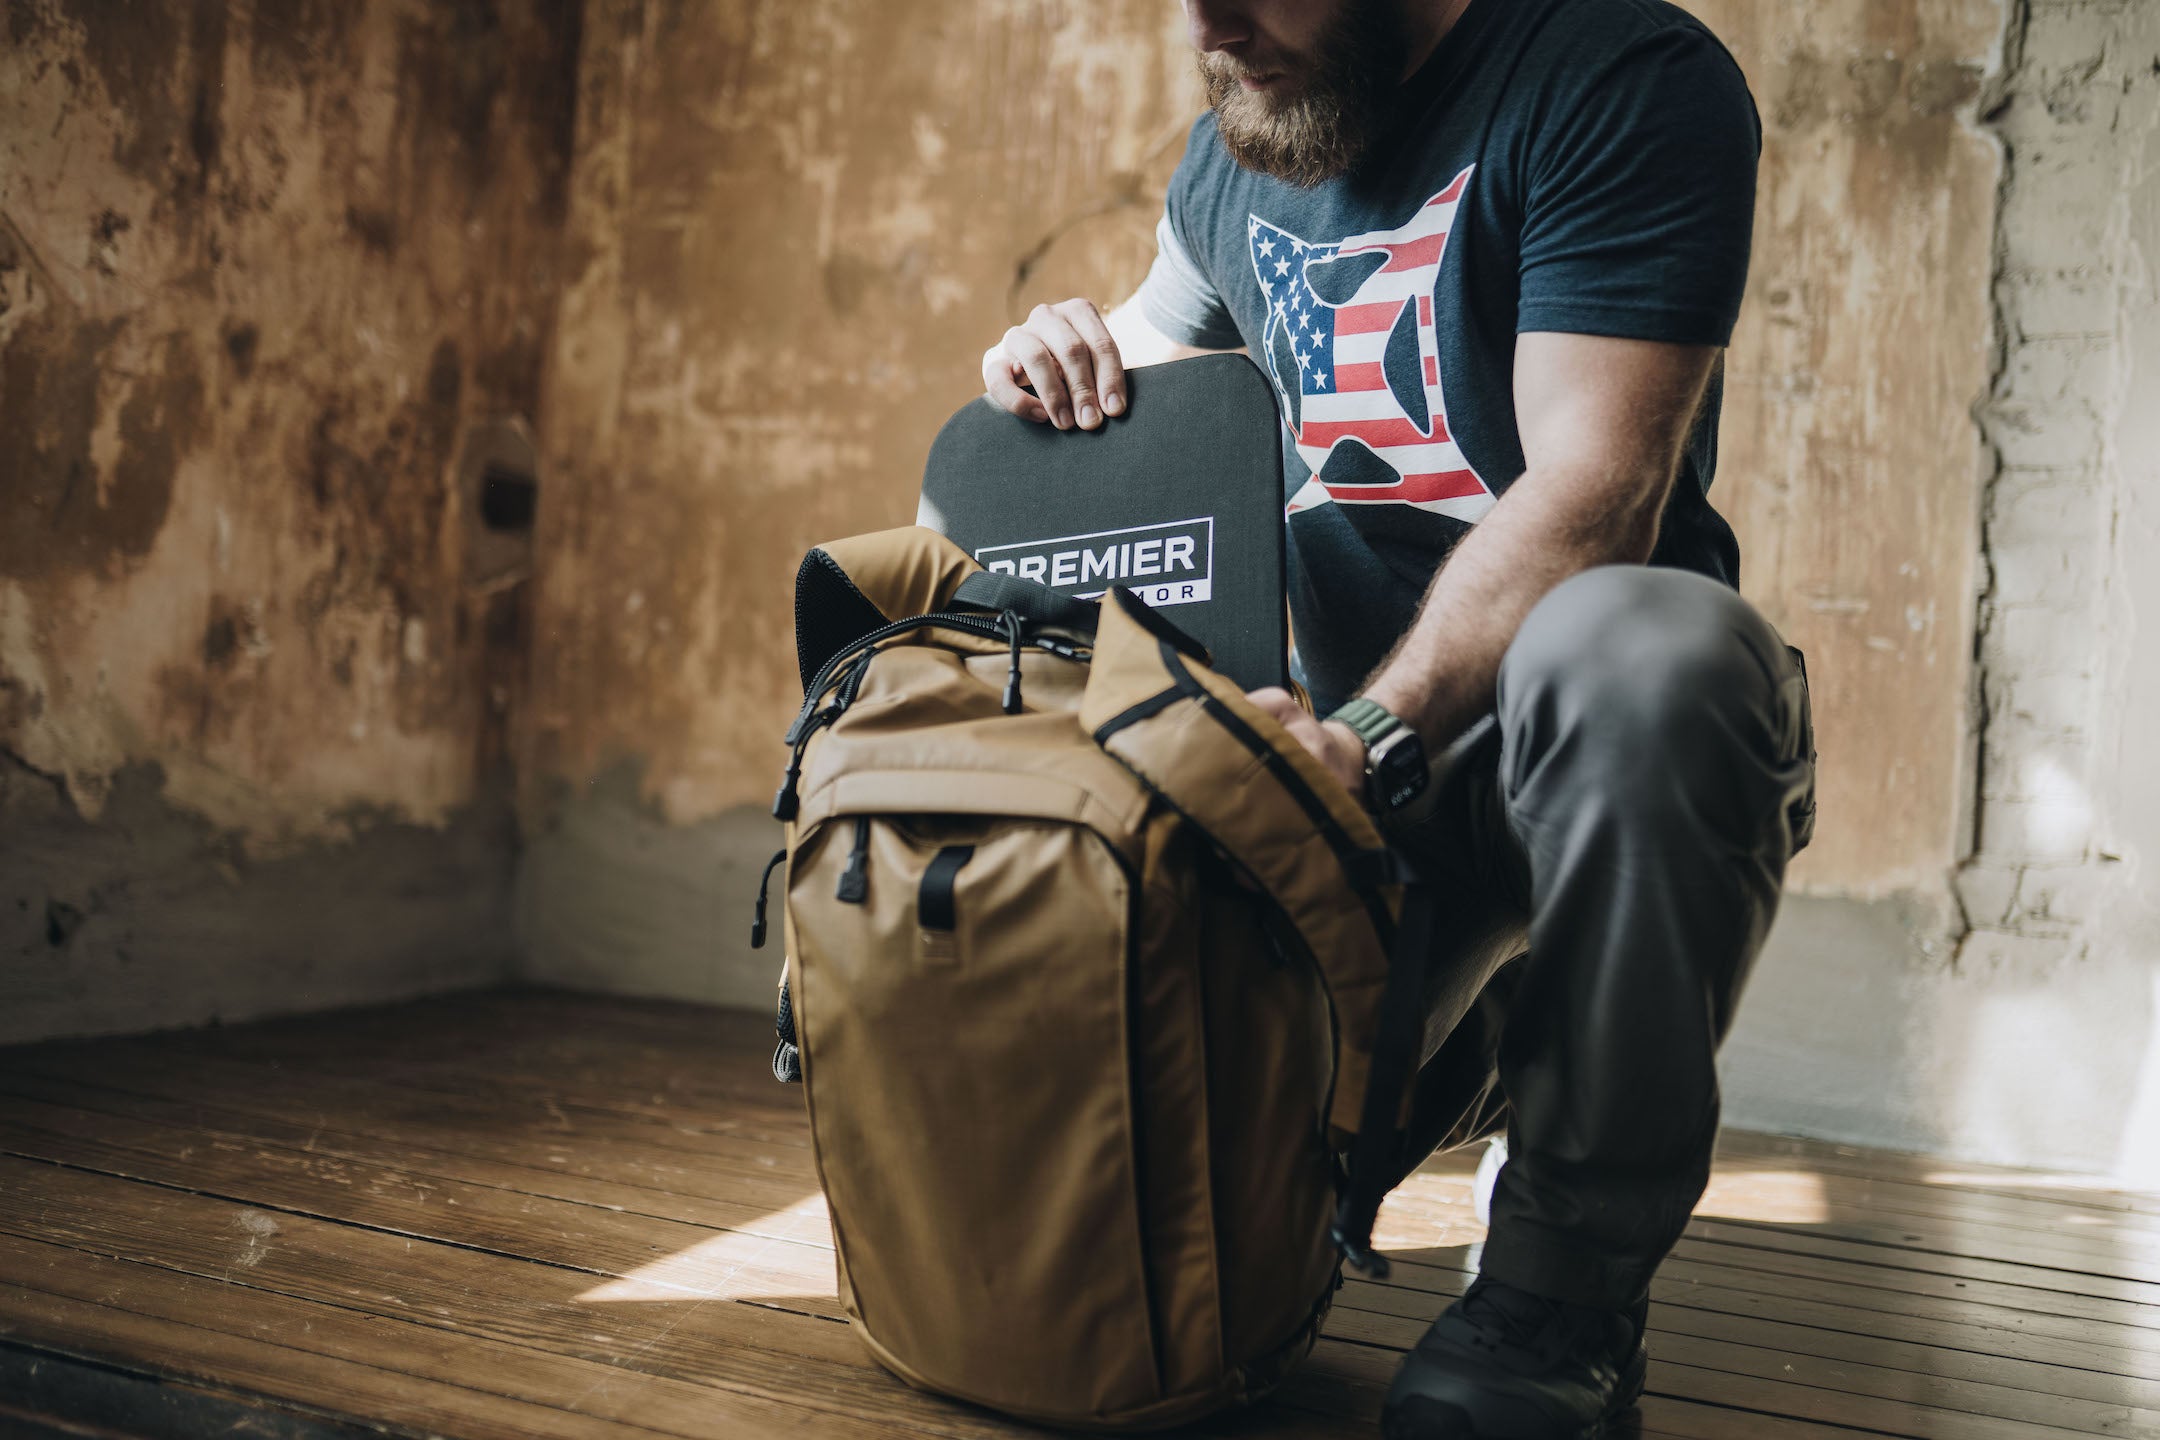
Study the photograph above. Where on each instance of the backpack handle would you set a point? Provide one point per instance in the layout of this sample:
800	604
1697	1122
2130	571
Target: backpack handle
1029	599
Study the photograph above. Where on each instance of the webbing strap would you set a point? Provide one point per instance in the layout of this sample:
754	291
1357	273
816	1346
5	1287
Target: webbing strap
1375	1153
934	907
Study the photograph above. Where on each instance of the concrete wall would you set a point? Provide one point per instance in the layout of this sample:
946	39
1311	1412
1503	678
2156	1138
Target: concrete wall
2026	1024
275	283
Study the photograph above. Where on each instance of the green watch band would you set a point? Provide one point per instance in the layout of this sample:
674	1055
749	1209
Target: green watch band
1369	719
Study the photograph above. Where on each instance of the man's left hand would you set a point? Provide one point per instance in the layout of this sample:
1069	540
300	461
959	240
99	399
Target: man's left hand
1332	743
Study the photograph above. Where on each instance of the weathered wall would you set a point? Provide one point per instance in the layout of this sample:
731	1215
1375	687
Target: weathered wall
797	227
1848	460
2030	1028
272	277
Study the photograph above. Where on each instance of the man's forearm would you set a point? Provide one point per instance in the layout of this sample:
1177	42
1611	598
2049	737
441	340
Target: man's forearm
1545	528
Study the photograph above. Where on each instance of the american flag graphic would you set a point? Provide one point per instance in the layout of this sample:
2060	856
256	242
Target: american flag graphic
1350	343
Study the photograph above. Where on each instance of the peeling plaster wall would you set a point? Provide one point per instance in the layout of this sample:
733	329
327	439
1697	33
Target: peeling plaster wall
271	278
796	229
1848	460
2027	1028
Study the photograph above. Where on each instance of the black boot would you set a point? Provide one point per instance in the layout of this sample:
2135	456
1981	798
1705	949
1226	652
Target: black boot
1504	1364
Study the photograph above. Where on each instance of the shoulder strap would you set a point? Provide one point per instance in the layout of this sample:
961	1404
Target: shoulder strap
1376	1154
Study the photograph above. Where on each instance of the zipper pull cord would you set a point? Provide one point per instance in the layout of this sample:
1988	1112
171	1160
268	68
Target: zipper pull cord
1009	624
785	801
757	916
807	725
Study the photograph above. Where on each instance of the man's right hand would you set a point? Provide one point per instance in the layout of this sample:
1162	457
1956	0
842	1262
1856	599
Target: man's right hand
1066	353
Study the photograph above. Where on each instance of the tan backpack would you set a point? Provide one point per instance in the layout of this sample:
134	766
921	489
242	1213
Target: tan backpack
1086	965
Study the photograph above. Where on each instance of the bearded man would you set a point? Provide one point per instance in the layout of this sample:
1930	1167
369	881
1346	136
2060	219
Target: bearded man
1490	252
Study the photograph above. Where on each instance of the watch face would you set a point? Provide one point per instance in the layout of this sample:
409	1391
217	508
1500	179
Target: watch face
1396	770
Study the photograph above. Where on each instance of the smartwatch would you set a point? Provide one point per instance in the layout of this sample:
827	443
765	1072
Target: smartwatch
1395	769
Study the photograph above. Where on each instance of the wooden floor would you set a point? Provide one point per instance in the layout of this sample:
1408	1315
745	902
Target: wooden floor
534	1214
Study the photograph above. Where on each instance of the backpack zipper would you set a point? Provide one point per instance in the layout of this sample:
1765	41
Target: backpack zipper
1009	626
988	628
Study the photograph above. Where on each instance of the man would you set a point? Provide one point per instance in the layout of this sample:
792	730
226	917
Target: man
1490	252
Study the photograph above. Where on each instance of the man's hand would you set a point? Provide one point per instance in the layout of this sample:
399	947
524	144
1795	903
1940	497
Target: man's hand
1067	353
1332	743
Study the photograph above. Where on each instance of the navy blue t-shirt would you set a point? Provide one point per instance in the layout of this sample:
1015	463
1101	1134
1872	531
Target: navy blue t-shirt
1585	166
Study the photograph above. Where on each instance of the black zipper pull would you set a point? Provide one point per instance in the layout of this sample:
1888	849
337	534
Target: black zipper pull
757	917
1010	623
854	885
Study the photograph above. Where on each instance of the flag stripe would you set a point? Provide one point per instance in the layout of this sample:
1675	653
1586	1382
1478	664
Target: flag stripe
1415	254
1377	434
1360	377
1364	319
1447	485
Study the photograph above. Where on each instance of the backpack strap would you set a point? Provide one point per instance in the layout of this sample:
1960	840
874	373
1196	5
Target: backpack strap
1376	1154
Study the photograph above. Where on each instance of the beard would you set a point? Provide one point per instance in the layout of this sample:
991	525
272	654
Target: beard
1343	95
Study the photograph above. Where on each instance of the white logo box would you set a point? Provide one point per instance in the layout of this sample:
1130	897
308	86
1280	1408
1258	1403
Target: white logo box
1172	563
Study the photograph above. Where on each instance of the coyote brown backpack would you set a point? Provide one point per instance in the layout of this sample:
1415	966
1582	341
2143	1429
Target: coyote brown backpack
1087	967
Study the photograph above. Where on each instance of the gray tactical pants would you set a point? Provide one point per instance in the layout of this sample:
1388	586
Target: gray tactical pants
1608	849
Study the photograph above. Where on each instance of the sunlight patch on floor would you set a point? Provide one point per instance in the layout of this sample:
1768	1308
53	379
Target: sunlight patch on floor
733	1265
1769	1197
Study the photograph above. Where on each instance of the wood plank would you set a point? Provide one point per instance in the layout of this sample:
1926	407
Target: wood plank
786	1360
153	1315
739	1176
598	1243
1956	1325
162	1127
1412	1216
2119	1263
1351	1378
715	1165
45	1394
1742	1267
198	1349
2112	1397
722	1081
1889	1255
1831	1158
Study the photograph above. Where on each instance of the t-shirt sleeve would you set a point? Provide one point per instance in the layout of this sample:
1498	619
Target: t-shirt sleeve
1640	198
1179	297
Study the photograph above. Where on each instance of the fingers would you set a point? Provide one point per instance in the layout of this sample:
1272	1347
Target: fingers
1109	370
1001	382
1066	354
1278	702
1043	372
